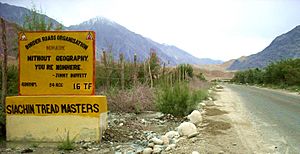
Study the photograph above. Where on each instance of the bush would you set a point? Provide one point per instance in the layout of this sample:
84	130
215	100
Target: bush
186	68
178	100
201	76
135	100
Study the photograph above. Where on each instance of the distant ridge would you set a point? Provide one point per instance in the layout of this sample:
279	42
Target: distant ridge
282	47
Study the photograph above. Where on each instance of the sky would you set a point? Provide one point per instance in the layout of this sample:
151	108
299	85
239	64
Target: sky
217	29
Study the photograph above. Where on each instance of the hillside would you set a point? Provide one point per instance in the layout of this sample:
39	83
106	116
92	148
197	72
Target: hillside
112	36
282	47
17	14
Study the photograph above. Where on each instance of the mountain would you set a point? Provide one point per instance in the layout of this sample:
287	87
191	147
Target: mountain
285	46
181	55
113	37
17	14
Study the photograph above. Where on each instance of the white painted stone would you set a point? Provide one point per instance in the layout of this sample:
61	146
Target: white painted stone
171	147
195	152
165	140
151	145
157	141
172	134
202	104
195	117
186	128
157	149
147	151
193	135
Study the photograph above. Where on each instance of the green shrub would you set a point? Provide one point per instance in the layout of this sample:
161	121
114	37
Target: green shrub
12	84
186	68
201	76
67	143
178	100
12	80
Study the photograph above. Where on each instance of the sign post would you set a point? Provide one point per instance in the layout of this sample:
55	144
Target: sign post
56	88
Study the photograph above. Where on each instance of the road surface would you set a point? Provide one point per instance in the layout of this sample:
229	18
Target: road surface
275	113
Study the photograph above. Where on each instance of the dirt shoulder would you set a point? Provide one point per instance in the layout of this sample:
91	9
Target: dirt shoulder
226	128
243	131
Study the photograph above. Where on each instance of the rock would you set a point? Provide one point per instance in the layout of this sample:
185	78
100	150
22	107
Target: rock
157	141
219	87
221	152
171	147
186	129
165	140
209	103
138	151
195	152
202	104
8	150
157	149
86	145
145	143
172	134
118	147
89	149
194	140
172	141
96	149
209	98
151	145
195	117
27	150
147	151
121	124
139	142
193	135
159	115
143	121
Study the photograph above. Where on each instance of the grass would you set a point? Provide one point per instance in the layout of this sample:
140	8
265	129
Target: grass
67	143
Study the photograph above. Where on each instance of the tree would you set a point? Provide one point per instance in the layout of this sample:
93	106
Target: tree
4	77
283	73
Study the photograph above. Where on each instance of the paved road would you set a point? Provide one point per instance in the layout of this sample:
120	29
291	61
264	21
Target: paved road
277	115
